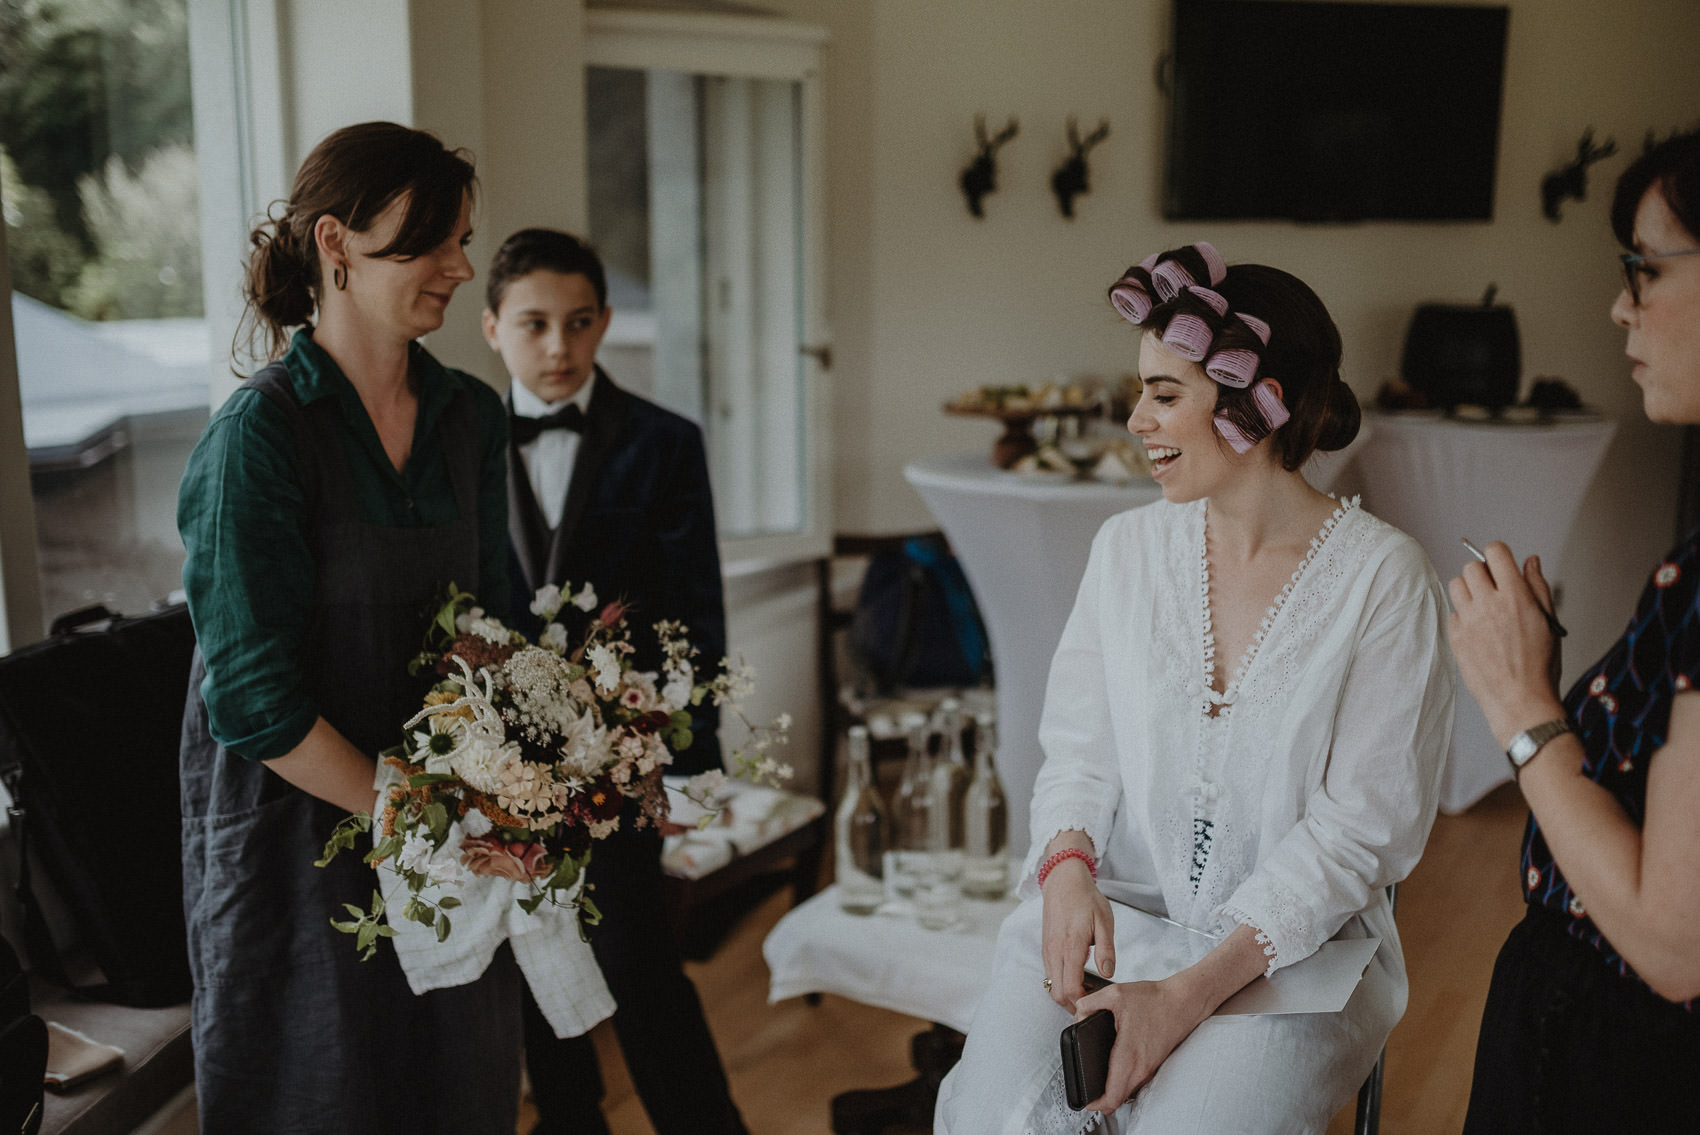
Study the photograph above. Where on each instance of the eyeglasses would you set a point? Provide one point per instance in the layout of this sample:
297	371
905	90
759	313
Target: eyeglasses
1632	269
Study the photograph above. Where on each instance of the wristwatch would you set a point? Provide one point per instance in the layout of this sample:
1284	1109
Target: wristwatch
1526	744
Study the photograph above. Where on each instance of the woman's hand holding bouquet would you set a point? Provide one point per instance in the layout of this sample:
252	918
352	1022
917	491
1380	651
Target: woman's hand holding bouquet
524	754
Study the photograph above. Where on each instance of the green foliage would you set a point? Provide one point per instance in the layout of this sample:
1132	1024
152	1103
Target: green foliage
85	80
102	188
147	235
44	259
344	835
367	926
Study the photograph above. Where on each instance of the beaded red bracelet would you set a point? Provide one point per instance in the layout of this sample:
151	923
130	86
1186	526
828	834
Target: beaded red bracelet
1067	853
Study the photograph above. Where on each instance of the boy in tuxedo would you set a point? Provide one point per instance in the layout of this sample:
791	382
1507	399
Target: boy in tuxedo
607	488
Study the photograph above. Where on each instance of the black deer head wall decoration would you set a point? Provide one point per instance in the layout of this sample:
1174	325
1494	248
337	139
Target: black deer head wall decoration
1070	179
1570	182
981	175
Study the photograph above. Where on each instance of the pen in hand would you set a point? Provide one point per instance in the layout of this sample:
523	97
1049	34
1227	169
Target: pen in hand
1552	620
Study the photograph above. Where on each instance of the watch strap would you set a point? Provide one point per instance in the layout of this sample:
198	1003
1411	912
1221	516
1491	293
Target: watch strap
1523	747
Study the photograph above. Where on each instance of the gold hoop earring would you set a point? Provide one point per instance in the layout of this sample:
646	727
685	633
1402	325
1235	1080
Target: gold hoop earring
339	277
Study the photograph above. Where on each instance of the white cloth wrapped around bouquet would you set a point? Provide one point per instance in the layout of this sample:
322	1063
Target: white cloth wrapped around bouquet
554	957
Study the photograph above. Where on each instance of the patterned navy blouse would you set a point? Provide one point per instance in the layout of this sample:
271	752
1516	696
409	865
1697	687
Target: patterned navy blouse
1621	710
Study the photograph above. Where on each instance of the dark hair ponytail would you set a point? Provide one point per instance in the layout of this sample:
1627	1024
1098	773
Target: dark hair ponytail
1341	420
353	175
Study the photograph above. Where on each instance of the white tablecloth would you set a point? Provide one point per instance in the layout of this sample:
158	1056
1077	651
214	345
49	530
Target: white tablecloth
886	960
1440	479
1023	545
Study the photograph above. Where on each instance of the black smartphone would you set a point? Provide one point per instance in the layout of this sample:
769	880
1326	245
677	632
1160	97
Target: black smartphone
1086	1048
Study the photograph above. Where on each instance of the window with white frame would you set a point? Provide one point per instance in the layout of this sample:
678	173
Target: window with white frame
704	145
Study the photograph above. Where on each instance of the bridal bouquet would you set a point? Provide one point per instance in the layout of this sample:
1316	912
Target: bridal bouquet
524	753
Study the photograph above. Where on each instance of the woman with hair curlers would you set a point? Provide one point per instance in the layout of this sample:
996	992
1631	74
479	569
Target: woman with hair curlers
1244	732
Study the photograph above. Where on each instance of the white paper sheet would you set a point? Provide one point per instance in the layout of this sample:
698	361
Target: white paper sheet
1150	947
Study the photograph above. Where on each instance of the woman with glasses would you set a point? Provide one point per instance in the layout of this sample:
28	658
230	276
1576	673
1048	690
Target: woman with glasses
1591	1021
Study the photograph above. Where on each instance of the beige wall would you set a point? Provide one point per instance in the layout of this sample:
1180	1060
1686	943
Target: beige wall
924	301
927	301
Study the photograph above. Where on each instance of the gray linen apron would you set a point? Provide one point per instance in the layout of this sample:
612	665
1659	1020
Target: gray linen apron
292	1032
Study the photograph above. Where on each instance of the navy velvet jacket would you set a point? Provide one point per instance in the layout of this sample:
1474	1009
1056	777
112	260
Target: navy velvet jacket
639	526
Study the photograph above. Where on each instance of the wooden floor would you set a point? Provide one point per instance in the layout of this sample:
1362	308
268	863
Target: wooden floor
787	1061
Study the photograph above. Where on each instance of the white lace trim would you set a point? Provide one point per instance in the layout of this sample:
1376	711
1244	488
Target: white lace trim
1228	695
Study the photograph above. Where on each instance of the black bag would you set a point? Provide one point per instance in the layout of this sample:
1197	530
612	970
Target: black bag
23	1049
90	725
916	622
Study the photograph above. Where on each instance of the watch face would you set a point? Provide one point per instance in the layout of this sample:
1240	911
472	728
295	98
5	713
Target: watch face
1527	743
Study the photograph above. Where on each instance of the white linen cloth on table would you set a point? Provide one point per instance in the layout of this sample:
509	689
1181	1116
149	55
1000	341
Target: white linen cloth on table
885	959
557	963
1291	810
1439	479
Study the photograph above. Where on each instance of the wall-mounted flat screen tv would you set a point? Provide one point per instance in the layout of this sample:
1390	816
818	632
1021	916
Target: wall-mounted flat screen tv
1292	109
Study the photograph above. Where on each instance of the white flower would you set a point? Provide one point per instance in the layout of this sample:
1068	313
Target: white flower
585	749
676	694
447	872
782	723
547	601
554	637
475	824
415	853
442	742
484	764
464	620
585	600
606	662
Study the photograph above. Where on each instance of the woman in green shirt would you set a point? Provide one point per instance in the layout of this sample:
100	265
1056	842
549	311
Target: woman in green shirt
331	499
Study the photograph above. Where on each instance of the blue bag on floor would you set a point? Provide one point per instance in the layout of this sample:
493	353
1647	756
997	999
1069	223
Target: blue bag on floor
916	622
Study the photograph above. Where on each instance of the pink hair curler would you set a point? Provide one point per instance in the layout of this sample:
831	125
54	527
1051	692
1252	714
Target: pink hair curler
1169	278
1269	404
1236	440
1258	327
1213	261
1217	303
1188	336
1235	367
1130	298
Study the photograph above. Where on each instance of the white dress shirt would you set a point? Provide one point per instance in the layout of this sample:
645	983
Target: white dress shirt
549	459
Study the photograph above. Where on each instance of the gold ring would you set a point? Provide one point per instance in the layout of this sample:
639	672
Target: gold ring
1047	983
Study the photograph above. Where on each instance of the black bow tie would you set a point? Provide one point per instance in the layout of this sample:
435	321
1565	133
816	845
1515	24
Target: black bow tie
526	430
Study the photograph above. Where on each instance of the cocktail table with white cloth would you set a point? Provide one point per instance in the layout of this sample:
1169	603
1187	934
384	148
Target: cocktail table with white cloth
1440	479
1023	544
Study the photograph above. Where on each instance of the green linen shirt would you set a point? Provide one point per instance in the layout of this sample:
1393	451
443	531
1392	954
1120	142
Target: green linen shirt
249	572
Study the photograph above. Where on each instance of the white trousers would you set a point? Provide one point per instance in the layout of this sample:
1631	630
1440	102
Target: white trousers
1286	1074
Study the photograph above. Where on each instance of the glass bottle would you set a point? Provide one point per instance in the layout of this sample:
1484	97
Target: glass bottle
912	813
985	870
863	830
950	781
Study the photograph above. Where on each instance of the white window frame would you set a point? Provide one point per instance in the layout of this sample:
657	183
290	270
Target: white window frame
232	42
757	48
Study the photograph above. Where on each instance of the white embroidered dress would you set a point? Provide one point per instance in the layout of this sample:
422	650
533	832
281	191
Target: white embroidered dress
1288	802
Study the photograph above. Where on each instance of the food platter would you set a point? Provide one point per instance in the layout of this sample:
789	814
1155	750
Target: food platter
1017	440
